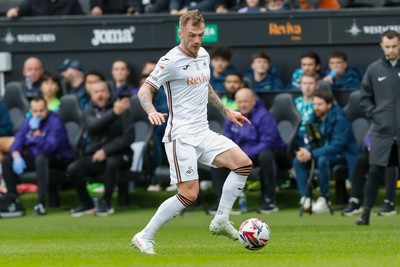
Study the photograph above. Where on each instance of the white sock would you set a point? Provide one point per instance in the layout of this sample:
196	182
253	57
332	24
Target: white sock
167	210
233	186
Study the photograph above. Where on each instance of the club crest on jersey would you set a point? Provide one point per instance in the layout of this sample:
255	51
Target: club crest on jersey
197	80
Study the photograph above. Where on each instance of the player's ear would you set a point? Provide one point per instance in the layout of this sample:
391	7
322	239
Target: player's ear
180	33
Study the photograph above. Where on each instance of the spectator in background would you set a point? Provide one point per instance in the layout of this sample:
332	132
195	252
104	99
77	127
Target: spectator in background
220	67
304	103
49	88
41	143
339	147
121	85
45	8
6	131
107	7
261	142
309	62
111	133
341	76
360	172
160	103
380	100
32	71
315	4
179	7
154	6
252	6
262	76
233	82
72	72
6	139
277	5
225	6
91	78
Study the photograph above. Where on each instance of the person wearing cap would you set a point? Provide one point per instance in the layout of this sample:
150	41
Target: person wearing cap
72	71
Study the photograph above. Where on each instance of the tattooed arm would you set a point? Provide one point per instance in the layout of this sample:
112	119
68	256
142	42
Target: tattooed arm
146	95
214	100
234	116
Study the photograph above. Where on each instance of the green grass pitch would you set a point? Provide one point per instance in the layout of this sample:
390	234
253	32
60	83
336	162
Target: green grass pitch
318	240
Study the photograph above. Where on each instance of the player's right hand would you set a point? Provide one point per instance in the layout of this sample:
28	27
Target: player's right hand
157	118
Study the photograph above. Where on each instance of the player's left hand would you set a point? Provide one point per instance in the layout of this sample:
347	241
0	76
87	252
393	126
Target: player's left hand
237	118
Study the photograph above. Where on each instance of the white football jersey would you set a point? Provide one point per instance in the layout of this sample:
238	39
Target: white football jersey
186	82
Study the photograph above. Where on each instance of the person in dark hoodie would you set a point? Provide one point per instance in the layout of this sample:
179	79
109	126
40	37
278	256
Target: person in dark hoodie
339	147
380	99
111	133
40	144
261	142
262	76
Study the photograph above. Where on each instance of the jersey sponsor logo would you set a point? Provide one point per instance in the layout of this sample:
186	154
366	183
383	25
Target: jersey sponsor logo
381	78
197	80
186	67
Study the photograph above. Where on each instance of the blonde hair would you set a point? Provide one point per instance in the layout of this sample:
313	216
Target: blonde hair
194	16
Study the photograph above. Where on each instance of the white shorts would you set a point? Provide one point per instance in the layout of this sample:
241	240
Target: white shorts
183	154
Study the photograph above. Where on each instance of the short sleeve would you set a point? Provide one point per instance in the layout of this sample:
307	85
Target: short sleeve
162	73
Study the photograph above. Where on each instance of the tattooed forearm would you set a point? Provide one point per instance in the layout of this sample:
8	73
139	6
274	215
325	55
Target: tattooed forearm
145	95
214	100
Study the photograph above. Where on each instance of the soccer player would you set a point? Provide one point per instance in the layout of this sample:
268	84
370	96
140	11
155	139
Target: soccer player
184	72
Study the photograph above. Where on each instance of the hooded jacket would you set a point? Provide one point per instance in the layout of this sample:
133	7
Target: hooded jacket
52	141
260	135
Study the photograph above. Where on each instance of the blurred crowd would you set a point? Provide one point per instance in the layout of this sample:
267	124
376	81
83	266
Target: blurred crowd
174	7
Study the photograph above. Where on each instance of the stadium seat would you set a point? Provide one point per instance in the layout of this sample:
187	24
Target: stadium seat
288	119
16	103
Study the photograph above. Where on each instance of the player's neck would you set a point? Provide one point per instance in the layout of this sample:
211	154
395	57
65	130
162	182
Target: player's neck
189	53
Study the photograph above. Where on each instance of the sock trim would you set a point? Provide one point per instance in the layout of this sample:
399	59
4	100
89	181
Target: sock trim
244	170
184	200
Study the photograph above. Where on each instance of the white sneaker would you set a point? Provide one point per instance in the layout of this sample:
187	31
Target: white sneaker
320	206
145	246
171	188
225	229
306	203
154	188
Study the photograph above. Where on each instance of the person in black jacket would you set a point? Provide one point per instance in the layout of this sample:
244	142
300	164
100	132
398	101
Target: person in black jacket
111	133
45	8
380	99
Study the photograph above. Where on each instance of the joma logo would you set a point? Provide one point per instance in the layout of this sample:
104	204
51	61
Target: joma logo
113	36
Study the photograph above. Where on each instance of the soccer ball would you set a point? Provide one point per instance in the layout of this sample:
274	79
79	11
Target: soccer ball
254	234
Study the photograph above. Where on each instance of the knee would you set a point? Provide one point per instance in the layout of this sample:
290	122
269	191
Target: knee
322	162
7	160
73	169
113	163
40	160
189	194
266	157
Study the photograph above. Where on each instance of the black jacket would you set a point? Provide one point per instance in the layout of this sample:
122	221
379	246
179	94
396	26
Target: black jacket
50	8
108	131
380	99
